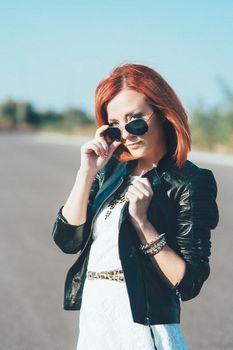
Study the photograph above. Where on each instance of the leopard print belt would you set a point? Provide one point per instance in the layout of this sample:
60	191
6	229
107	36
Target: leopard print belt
114	275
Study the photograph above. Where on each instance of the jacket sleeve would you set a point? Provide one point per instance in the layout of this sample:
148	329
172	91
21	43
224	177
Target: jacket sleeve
71	238
197	215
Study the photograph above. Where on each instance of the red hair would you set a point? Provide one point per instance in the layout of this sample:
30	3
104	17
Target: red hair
159	95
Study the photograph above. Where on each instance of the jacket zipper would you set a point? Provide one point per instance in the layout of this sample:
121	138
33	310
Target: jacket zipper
147	318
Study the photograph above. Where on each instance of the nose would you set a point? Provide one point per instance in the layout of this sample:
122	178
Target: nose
125	135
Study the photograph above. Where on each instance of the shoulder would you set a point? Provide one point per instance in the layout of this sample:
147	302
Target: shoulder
194	189
191	177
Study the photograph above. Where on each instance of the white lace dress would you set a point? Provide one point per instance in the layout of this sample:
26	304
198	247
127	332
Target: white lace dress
105	320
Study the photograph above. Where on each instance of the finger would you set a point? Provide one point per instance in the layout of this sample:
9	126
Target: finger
142	185
96	149
140	194
114	145
146	183
100	130
105	149
142	179
100	146
91	148
130	196
105	145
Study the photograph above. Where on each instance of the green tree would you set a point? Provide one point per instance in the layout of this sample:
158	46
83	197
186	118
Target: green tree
8	114
77	116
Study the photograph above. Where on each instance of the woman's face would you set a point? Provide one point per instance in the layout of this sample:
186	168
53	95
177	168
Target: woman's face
152	144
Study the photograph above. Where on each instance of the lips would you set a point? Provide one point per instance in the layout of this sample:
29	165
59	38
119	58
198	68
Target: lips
131	144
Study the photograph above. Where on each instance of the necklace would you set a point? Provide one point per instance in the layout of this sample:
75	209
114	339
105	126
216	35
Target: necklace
119	197
113	203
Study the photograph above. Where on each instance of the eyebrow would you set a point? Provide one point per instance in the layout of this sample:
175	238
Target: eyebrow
126	115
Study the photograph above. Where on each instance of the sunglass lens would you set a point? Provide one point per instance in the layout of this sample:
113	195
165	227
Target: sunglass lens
137	127
112	134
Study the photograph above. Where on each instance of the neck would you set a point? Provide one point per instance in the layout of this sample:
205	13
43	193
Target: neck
141	171
145	164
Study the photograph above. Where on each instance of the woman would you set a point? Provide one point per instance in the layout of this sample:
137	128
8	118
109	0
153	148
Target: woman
139	216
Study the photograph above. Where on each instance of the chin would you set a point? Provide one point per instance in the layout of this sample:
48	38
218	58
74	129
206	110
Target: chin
137	153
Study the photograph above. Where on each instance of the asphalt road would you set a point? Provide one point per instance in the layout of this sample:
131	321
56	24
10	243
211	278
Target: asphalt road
36	178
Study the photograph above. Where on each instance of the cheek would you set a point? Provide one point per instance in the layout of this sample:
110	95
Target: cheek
154	133
151	136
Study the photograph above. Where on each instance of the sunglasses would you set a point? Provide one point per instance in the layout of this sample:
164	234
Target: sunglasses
137	126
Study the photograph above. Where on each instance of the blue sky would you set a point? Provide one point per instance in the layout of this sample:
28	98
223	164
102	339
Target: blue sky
54	53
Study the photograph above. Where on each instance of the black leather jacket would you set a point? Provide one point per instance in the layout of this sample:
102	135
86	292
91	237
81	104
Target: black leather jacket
183	206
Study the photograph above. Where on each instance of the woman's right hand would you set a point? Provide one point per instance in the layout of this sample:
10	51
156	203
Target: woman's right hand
96	152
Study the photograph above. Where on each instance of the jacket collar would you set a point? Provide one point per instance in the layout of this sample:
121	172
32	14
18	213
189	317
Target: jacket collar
123	169
166	162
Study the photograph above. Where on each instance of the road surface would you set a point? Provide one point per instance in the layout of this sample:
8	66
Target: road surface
37	175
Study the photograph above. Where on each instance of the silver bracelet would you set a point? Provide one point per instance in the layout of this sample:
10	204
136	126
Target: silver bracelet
156	247
149	245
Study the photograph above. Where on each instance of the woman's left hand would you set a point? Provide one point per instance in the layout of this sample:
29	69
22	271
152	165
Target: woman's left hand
139	195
